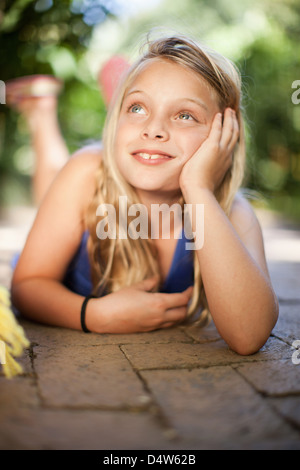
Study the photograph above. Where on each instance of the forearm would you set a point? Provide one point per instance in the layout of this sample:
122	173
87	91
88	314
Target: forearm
239	293
47	301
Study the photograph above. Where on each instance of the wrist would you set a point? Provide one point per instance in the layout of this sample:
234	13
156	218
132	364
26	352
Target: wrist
98	314
194	183
195	193
87	314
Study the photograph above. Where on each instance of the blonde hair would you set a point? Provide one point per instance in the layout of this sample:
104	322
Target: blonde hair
122	262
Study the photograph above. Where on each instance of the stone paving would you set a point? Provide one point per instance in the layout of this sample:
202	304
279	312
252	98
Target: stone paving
173	389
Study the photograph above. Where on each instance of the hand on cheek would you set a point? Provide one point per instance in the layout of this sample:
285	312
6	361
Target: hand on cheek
208	166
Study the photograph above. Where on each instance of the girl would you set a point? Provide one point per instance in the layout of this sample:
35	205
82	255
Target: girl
173	135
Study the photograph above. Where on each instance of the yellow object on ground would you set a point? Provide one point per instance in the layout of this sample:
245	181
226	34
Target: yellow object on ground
12	337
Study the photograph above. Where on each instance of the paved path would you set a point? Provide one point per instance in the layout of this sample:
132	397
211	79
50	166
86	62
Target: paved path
173	389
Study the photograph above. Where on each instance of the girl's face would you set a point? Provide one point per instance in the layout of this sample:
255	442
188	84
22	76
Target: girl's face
166	115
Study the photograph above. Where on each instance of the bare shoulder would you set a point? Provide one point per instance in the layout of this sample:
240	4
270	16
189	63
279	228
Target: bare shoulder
86	159
73	188
94	149
63	209
79	172
242	215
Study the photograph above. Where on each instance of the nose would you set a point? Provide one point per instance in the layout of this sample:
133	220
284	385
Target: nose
155	129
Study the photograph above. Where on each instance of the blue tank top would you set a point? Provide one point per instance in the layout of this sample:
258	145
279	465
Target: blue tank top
179	278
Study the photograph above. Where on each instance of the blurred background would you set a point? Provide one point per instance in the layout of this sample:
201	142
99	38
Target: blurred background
71	39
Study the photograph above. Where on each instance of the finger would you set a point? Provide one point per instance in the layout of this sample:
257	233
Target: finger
169	324
235	133
179	299
147	284
216	128
174	316
228	128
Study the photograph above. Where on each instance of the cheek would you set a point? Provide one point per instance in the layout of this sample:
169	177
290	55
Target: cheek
120	141
193	142
124	135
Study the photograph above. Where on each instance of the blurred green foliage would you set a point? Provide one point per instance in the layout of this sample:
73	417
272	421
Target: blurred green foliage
59	37
44	37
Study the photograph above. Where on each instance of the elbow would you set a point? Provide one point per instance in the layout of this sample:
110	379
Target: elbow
13	294
247	346
245	349
250	341
18	298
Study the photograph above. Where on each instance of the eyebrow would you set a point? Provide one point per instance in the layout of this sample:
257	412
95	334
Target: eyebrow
197	101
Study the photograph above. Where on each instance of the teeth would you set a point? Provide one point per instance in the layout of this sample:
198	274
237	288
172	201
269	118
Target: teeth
147	156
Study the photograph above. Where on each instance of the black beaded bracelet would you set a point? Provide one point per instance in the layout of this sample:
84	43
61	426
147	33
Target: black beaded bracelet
82	314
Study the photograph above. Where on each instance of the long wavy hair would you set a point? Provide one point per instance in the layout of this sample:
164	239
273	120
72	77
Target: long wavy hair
122	262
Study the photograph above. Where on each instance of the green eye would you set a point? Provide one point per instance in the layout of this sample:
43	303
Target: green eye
185	116
136	108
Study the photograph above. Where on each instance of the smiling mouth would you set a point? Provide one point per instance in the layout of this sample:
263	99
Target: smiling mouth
152	156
